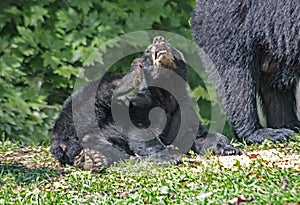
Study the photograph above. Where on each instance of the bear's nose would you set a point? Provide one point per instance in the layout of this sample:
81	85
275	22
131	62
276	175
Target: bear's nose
158	40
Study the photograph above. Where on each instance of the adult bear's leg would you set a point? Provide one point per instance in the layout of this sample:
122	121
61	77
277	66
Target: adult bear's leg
237	90
279	104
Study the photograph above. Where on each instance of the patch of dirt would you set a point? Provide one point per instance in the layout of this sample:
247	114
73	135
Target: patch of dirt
29	157
281	158
271	157
36	157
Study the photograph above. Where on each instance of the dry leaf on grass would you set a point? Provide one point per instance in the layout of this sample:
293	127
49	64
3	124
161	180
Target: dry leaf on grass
240	200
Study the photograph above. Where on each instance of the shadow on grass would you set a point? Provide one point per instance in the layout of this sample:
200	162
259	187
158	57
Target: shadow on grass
25	175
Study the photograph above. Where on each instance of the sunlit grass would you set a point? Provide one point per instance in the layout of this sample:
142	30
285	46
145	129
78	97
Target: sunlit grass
29	175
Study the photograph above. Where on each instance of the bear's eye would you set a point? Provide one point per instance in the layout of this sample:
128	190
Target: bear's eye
147	51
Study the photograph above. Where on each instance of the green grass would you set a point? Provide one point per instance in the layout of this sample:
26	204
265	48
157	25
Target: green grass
29	175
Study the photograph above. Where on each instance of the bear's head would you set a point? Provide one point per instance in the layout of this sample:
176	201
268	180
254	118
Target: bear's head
161	54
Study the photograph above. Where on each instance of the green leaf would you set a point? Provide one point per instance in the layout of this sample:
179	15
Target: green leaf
50	41
200	93
85	6
37	14
28	36
96	56
66	71
50	60
13	10
11	61
68	19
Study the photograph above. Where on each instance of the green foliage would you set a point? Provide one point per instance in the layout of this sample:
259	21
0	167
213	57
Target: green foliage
29	175
43	45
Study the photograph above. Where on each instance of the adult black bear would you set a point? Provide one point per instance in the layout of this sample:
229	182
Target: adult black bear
254	46
93	146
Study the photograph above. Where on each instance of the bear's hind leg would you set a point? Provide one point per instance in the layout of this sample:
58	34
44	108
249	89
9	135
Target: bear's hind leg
100	152
279	105
238	98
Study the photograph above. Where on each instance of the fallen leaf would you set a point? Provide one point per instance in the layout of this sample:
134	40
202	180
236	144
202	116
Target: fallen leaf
240	200
253	155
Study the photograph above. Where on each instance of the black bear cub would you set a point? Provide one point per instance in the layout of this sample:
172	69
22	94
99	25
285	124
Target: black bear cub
78	140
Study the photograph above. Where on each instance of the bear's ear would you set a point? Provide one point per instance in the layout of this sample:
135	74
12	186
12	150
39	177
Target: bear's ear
178	55
131	80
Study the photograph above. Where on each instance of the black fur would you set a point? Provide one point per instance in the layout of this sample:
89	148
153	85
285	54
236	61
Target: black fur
92	146
255	48
69	140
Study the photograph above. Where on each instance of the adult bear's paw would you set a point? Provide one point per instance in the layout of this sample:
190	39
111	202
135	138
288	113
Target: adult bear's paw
274	135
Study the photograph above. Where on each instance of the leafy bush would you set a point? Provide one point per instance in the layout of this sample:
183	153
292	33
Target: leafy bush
43	45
